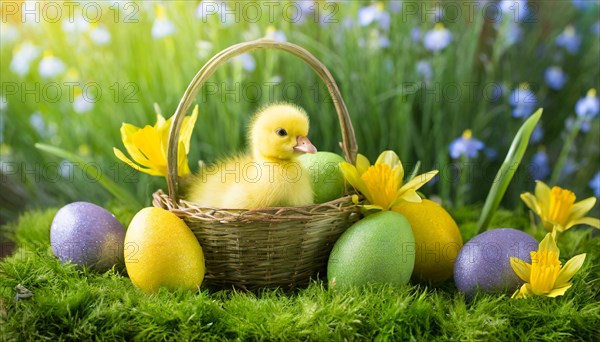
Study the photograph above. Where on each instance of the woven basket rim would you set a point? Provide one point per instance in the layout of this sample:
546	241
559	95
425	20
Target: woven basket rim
162	199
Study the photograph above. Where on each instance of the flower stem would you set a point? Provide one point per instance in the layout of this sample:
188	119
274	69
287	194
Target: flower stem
564	153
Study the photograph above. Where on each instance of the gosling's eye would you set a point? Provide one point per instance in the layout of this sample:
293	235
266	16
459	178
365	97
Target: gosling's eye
281	132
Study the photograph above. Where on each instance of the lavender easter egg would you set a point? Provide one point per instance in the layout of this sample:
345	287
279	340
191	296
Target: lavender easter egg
85	234
484	261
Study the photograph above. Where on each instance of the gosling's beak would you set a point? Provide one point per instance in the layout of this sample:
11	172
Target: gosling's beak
304	145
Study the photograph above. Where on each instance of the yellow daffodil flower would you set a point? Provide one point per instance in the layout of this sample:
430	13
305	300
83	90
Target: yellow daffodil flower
556	207
148	146
382	184
545	276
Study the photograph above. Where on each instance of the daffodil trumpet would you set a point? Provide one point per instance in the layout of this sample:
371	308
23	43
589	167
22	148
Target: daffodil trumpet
557	208
382	184
147	146
546	276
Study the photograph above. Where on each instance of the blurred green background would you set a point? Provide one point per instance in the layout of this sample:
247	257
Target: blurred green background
72	72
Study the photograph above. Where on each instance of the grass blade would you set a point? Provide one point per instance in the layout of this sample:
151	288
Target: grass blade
122	195
507	170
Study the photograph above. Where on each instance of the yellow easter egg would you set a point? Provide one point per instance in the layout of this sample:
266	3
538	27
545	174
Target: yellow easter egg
437	240
162	251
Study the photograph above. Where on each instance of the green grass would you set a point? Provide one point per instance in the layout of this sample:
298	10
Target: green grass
74	304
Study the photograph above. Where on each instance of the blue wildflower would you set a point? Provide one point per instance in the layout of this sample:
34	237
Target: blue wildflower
570	167
203	48
383	41
425	69
75	24
540	167
495	91
8	32
466	146
100	35
305	9
555	77
596	28
569	40
162	26
36	120
537	134
523	101
374	13
395	6
415	34
589	105
438	38
595	184
81	104
275	34
51	66
376	40
514	33
514	10
23	55
437	15
583	5
246	60
491	153
348	23
586	124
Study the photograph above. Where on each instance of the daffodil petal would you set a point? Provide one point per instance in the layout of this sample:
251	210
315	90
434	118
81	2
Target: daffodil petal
187	128
128	135
362	164
372	207
521	268
554	227
410	195
581	208
388	157
122	157
160	121
148	141
352	176
531	202
569	269
559	291
420	180
130	143
590	221
521	292
127	161
548	245
398	173
163	132
183	168
128	130
542	193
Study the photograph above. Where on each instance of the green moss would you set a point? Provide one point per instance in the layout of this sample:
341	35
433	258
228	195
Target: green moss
70	303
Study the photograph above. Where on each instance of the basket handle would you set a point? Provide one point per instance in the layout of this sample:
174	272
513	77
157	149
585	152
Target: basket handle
348	143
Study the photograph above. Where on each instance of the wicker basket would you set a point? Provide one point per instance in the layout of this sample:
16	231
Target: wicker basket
271	247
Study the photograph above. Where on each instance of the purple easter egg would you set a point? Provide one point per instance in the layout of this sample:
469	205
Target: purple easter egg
484	261
85	234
